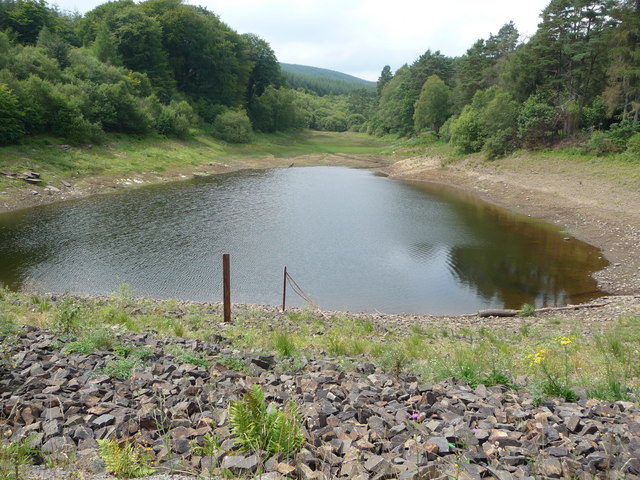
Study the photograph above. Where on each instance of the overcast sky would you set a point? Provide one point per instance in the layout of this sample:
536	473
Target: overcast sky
360	37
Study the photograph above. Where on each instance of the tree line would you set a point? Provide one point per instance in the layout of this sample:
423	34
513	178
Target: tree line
577	78
158	66
166	67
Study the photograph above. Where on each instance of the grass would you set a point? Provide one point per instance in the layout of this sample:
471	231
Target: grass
601	362
126	156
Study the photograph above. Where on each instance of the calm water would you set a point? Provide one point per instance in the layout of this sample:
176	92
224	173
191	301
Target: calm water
353	241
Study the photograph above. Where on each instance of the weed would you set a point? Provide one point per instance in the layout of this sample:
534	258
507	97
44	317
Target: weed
283	343
465	364
100	339
124	461
609	389
232	363
122	368
257	427
208	448
67	317
188	356
555	371
291	364
8	325
41	303
14	457
394	359
527	310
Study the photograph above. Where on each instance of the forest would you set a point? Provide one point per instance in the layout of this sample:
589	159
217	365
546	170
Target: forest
167	68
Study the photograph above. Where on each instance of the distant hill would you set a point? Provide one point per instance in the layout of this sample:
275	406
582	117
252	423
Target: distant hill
323	81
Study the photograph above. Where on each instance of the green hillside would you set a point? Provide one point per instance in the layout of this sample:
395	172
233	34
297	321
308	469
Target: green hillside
323	81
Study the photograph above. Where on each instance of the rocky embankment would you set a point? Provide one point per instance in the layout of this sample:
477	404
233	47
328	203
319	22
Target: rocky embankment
361	423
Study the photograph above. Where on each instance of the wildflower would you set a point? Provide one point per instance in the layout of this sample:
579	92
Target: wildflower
562	340
414	416
538	357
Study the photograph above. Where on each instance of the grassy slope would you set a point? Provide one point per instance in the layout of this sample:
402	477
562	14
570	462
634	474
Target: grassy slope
123	156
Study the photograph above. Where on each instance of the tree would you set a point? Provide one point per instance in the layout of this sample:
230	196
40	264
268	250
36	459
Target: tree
208	60
104	46
623	92
10	117
395	108
139	41
265	70
383	79
566	58
54	46
26	18
432	107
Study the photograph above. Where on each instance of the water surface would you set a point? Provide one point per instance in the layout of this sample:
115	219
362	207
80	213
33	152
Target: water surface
353	240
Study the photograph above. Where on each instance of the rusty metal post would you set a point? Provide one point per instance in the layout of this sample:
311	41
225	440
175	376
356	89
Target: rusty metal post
226	286
284	289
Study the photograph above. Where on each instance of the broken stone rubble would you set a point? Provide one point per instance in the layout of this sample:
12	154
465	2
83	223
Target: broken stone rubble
362	424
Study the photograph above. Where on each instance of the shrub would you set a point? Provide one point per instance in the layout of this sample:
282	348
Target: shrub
334	123
498	145
124	461
232	127
175	120
537	122
600	143
621	132
467	133
633	144
258	428
67	317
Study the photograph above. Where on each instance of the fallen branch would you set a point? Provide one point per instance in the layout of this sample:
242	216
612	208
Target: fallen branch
513	313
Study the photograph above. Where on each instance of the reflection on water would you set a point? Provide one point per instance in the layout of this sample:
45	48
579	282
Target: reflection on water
353	240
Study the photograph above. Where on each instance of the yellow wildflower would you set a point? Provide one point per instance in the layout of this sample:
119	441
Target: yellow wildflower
538	357
562	340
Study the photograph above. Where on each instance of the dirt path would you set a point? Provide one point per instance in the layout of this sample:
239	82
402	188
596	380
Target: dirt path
593	202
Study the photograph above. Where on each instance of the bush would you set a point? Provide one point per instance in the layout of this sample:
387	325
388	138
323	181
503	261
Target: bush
620	133
175	120
537	122
499	144
633	144
334	123
600	143
232	127
445	129
466	132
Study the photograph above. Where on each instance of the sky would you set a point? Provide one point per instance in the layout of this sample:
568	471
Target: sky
360	37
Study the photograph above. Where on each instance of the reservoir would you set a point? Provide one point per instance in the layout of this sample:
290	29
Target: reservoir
353	240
